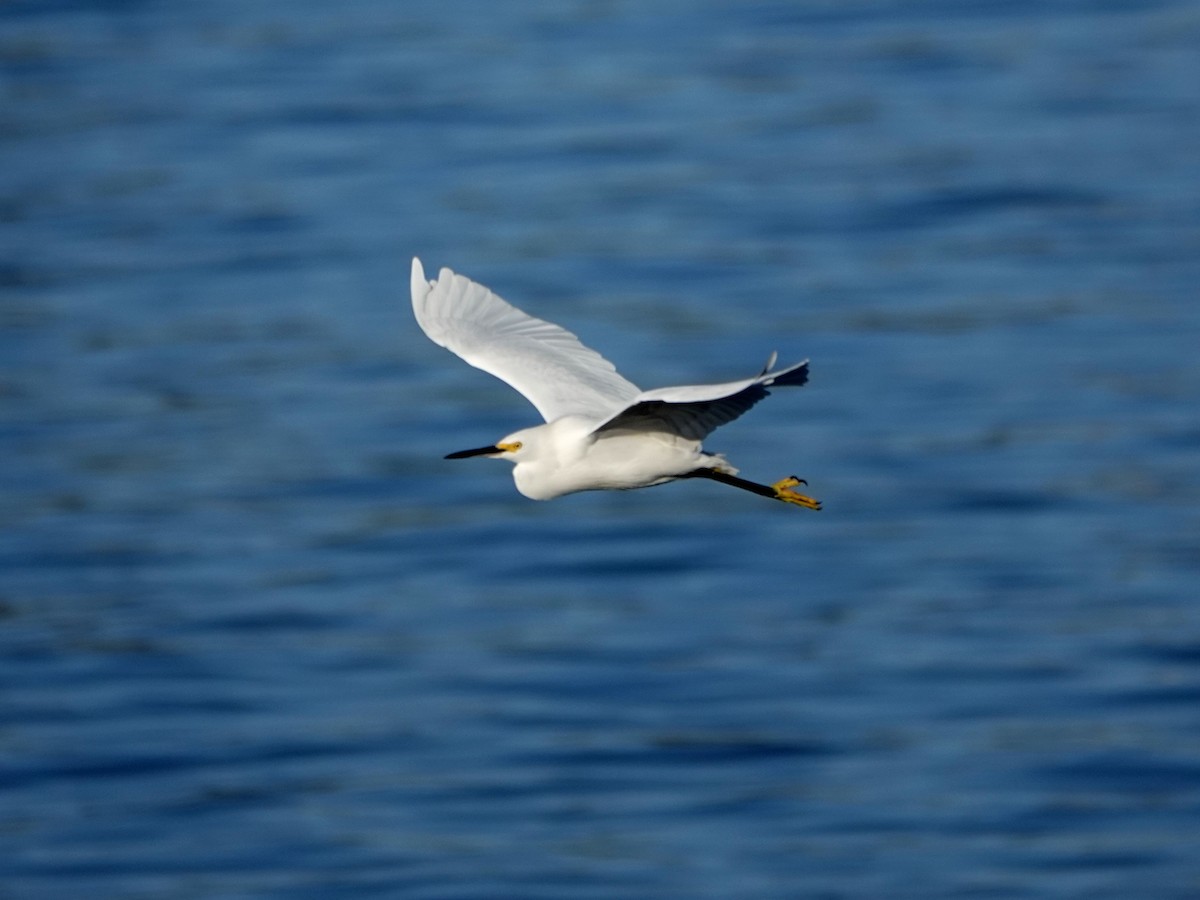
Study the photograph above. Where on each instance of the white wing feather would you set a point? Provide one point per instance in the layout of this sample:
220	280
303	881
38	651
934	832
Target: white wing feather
545	363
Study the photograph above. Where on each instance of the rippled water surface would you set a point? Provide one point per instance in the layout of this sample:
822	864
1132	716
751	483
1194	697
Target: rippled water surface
257	639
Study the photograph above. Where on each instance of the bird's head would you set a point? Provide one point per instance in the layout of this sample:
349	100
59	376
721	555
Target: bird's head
513	448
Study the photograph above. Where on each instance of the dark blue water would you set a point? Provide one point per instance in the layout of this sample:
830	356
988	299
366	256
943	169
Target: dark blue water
258	640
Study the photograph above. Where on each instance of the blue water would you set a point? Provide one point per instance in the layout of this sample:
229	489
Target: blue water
257	639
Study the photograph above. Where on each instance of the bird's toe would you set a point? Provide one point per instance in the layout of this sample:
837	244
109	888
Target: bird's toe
783	491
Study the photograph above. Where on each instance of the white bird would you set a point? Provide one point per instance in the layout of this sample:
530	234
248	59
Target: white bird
601	431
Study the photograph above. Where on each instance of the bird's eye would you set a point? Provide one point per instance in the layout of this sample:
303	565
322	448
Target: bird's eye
514	446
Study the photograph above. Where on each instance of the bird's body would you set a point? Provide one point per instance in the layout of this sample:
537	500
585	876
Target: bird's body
601	431
571	458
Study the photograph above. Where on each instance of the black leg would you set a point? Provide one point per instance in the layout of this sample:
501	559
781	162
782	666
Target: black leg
780	490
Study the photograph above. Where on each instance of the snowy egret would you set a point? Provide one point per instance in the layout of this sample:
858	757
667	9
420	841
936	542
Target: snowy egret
601	432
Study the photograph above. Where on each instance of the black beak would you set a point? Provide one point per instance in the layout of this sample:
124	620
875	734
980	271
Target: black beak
478	451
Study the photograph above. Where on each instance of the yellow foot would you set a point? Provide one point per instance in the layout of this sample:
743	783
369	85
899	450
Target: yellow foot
783	491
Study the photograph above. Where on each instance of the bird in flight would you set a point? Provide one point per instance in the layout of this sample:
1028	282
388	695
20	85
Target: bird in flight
601	432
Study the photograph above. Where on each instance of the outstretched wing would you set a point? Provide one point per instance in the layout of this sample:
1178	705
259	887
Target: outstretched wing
694	411
545	363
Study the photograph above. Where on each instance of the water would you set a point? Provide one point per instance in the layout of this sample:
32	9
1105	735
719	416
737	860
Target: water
257	639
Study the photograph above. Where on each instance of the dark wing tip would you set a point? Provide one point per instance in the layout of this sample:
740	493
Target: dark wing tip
796	376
